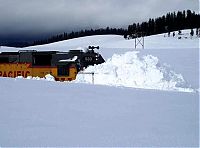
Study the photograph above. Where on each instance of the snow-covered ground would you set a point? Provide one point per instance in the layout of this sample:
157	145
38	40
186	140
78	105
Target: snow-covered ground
42	113
143	97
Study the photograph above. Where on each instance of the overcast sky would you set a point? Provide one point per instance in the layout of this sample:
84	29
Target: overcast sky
32	18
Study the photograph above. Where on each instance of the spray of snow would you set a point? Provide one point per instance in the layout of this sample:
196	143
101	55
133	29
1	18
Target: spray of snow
129	70
49	77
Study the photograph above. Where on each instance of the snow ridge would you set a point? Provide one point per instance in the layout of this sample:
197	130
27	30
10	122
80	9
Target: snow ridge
130	70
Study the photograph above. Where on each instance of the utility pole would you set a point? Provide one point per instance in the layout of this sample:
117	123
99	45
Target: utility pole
139	39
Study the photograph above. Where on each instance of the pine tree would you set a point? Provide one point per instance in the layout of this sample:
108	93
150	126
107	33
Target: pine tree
169	34
197	31
125	36
173	34
192	32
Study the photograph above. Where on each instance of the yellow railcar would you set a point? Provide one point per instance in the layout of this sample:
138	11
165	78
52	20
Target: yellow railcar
64	66
37	64
26	69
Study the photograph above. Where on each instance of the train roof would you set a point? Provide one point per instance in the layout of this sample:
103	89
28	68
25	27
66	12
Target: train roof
9	53
29	51
41	52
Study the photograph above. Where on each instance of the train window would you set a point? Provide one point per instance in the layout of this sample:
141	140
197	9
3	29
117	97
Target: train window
4	60
42	60
63	70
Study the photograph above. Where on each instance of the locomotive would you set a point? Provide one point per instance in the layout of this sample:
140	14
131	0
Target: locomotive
64	66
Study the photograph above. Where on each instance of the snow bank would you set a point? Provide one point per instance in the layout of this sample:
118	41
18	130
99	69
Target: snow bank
130	70
47	77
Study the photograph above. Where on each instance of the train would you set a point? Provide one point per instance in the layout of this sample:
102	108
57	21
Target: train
63	66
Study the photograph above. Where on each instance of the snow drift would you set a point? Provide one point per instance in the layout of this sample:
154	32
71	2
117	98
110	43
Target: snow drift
130	70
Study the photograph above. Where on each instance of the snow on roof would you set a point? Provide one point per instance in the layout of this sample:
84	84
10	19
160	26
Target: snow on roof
69	60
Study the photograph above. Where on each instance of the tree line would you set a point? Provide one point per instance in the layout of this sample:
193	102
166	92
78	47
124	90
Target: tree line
82	33
167	23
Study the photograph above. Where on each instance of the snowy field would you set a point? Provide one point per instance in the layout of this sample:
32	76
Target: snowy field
143	97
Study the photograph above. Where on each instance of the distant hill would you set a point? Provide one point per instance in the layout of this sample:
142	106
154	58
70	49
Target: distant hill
19	44
110	44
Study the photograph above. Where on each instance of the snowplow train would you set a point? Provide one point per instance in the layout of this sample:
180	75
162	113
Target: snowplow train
64	66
